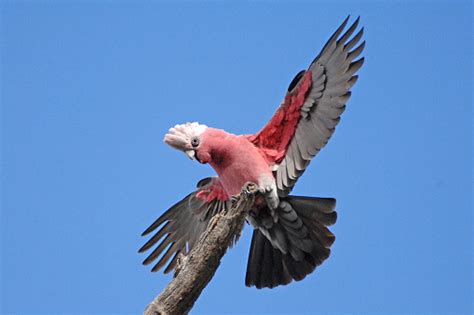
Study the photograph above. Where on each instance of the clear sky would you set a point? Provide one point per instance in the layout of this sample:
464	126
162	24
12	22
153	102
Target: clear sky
89	88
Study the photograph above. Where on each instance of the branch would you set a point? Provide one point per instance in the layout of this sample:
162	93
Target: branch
195	271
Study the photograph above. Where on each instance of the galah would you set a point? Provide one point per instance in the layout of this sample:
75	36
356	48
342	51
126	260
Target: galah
290	237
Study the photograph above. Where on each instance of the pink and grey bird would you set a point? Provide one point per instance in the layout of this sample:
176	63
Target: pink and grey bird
290	237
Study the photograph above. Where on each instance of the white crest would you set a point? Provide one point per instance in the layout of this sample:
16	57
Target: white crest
193	129
188	130
180	136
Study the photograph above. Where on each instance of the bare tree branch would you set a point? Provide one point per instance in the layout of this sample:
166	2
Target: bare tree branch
194	271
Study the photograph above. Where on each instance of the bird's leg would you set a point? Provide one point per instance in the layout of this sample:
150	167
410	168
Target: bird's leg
268	188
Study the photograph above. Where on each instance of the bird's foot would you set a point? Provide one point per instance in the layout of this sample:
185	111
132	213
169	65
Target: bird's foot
271	197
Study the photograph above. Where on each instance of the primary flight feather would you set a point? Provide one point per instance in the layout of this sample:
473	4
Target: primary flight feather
290	237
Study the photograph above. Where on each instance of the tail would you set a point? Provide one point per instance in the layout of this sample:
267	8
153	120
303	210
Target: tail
294	246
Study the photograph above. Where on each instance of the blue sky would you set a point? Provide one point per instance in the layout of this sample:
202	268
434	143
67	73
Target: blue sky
88	89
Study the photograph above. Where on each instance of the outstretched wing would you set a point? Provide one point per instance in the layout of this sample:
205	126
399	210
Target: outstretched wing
312	108
182	224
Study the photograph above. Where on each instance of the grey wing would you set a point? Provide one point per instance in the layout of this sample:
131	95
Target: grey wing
181	226
333	75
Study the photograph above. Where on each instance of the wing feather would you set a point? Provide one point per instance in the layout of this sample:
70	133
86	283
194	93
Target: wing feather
182	224
333	75
311	110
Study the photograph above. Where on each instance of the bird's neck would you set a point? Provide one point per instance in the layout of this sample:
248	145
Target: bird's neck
235	159
219	148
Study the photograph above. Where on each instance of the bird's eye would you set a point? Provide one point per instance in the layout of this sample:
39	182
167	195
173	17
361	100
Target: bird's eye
194	142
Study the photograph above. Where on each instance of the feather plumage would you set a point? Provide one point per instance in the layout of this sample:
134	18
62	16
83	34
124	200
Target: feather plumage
183	223
312	107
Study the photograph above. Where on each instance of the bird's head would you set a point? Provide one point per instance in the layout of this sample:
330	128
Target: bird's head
186	137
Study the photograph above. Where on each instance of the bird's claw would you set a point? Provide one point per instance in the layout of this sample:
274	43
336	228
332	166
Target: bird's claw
249	189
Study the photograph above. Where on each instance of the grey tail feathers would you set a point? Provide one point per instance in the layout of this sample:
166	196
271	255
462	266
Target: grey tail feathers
307	241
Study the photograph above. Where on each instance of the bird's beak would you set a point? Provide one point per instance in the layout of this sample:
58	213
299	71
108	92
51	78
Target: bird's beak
190	154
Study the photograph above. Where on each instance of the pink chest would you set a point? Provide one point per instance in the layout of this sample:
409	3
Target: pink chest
239	162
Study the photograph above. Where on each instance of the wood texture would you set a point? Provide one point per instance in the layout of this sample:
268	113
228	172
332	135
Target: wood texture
195	271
